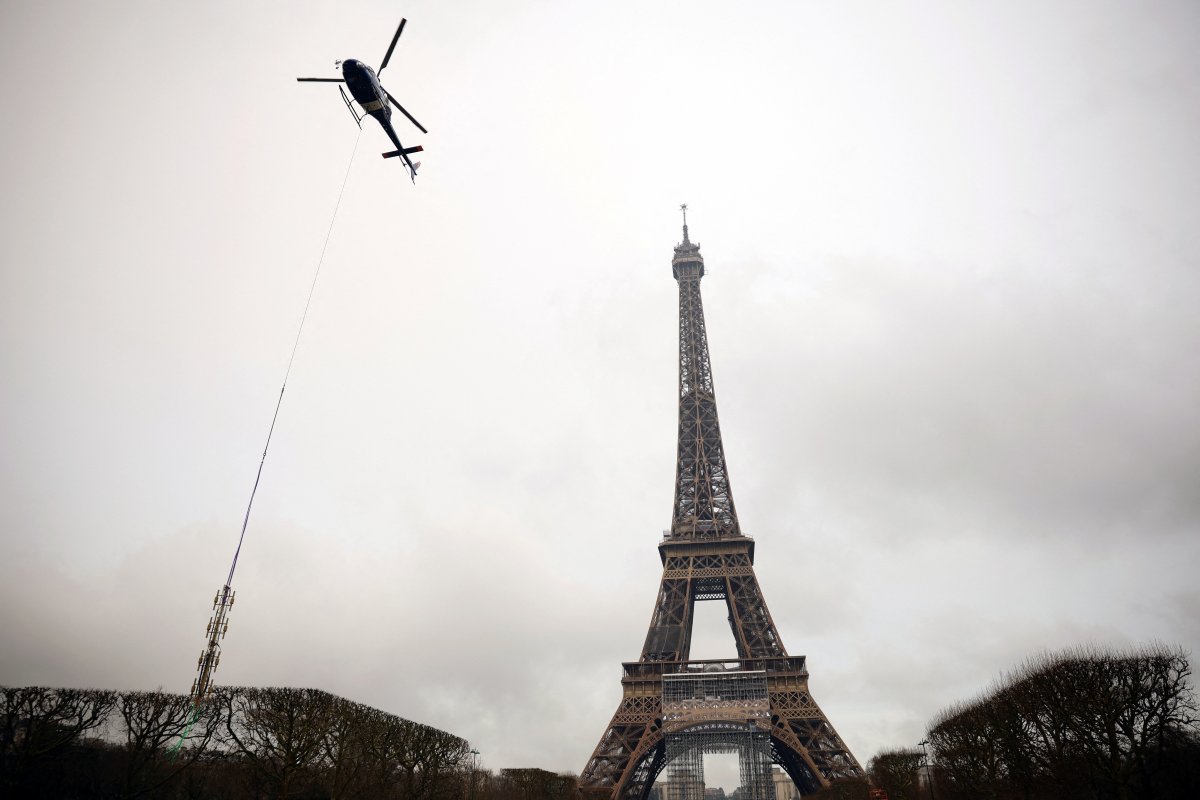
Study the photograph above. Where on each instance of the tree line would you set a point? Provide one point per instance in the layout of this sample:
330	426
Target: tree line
244	742
1079	725
1084	724
521	784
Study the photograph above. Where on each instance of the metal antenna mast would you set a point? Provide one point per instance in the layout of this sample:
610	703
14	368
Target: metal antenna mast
218	624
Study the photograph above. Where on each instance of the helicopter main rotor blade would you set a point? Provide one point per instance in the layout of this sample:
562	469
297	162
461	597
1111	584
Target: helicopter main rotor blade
405	113
321	80
392	46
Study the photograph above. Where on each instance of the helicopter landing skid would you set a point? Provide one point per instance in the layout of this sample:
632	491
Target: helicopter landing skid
353	113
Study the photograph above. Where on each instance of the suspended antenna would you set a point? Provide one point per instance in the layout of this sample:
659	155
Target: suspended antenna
218	624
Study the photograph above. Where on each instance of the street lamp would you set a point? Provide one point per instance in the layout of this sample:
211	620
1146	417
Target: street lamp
471	778
925	767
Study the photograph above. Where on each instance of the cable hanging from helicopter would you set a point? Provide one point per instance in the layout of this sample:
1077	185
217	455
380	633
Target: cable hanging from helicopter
374	99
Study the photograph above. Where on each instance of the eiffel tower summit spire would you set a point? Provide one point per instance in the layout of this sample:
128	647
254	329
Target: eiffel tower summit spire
673	709
703	502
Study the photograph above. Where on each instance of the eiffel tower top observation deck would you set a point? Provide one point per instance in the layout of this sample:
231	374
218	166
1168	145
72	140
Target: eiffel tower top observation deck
703	508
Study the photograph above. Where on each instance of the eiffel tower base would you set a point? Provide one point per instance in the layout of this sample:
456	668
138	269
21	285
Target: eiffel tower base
633	750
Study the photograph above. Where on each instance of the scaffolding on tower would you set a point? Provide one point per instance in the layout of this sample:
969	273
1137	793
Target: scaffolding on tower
716	711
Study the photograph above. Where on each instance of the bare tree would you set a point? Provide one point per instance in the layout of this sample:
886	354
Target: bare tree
442	756
1084	723
427	758
413	761
895	771
156	724
279	743
40	723
279	732
968	756
344	748
535	784
1126	708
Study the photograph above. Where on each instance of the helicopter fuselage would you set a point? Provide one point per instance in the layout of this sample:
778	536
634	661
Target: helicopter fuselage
364	86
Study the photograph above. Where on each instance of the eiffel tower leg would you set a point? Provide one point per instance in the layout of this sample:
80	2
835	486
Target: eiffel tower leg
789	753
710	571
654	767
629	746
670	634
805	741
645	763
753	628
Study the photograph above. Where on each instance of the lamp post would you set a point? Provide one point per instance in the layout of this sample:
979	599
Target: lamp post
925	767
471	777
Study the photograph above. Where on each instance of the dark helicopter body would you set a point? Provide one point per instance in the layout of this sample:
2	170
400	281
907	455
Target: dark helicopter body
366	90
364	87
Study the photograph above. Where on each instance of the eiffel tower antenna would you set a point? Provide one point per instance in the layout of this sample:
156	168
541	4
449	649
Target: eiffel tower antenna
674	709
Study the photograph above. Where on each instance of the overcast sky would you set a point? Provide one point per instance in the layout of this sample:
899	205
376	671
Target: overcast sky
952	303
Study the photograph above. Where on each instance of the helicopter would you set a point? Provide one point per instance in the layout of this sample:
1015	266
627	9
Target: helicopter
373	98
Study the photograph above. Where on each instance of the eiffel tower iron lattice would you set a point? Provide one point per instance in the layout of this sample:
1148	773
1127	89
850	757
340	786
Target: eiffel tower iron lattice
671	705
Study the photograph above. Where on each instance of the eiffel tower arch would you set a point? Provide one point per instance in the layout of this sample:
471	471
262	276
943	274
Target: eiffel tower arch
674	709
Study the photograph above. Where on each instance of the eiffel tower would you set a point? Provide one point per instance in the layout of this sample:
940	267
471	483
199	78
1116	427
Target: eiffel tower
674	709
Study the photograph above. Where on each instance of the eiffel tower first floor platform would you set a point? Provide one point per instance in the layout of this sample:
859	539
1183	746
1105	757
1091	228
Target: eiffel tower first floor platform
666	703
